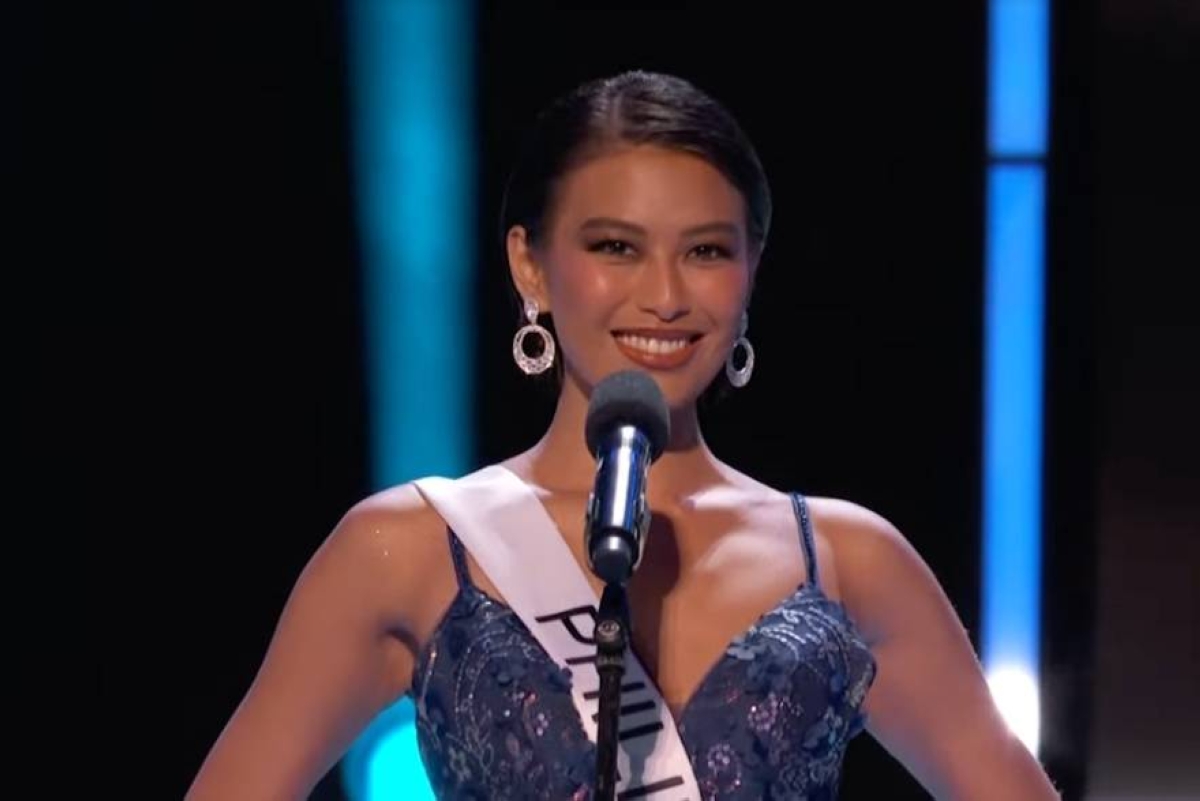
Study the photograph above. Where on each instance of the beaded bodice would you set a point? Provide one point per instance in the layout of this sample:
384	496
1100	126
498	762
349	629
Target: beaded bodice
770	720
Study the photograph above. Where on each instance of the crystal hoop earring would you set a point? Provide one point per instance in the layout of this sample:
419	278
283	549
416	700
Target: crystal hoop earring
532	365
740	377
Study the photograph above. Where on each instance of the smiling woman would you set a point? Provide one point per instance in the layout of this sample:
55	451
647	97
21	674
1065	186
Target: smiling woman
769	629
645	262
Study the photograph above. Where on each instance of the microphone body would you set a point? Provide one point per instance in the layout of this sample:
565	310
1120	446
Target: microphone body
627	428
617	515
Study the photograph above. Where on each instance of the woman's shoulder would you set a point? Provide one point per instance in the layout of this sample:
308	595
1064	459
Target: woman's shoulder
385	543
838	523
852	527
841	523
398	510
878	568
863	557
394	517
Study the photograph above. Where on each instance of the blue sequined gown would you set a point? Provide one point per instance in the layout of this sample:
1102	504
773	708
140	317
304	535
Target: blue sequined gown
771	720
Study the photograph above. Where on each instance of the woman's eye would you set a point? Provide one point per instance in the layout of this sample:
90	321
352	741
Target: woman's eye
712	252
611	247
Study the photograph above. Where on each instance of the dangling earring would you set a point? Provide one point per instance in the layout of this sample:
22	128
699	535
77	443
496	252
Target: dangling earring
739	378
532	365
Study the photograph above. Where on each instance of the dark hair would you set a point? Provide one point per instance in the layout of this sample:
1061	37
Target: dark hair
635	107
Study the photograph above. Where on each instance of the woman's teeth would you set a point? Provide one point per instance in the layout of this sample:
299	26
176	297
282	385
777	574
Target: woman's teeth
651	345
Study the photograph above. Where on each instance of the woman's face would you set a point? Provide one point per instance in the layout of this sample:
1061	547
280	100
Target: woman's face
645	264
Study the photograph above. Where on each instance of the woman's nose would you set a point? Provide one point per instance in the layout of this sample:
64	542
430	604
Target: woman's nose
663	291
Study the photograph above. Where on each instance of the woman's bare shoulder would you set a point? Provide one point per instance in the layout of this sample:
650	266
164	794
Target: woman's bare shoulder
851	540
852	527
879	570
393	516
392	534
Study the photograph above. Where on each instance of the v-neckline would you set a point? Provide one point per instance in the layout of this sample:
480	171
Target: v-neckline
804	587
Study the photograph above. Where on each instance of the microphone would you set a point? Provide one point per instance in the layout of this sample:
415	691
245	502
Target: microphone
627	428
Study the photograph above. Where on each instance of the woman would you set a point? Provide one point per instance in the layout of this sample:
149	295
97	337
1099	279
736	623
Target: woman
636	219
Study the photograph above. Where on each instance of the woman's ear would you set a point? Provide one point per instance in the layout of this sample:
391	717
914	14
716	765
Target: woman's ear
527	274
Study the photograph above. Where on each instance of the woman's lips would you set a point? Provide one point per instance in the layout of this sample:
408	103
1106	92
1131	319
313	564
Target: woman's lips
657	350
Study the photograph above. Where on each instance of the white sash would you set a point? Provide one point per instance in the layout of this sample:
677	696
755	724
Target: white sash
514	541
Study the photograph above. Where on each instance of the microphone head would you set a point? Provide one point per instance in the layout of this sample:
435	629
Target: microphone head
632	398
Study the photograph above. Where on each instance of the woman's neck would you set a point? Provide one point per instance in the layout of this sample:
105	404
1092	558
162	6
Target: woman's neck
560	461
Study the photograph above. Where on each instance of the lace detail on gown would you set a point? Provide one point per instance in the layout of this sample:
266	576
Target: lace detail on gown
771	719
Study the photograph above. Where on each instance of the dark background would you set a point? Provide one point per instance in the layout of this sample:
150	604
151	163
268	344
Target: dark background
205	153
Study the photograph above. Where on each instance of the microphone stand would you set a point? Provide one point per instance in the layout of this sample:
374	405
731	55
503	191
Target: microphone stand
616	523
612	638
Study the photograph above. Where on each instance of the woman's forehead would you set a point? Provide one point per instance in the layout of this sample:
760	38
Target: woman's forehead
649	186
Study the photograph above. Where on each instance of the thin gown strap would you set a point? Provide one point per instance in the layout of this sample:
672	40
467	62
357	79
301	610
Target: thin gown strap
459	555
800	506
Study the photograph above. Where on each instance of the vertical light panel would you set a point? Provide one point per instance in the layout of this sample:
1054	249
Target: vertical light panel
1018	77
411	81
1018	86
1012	445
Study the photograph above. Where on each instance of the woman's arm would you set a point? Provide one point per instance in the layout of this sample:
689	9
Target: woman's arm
335	659
930	705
